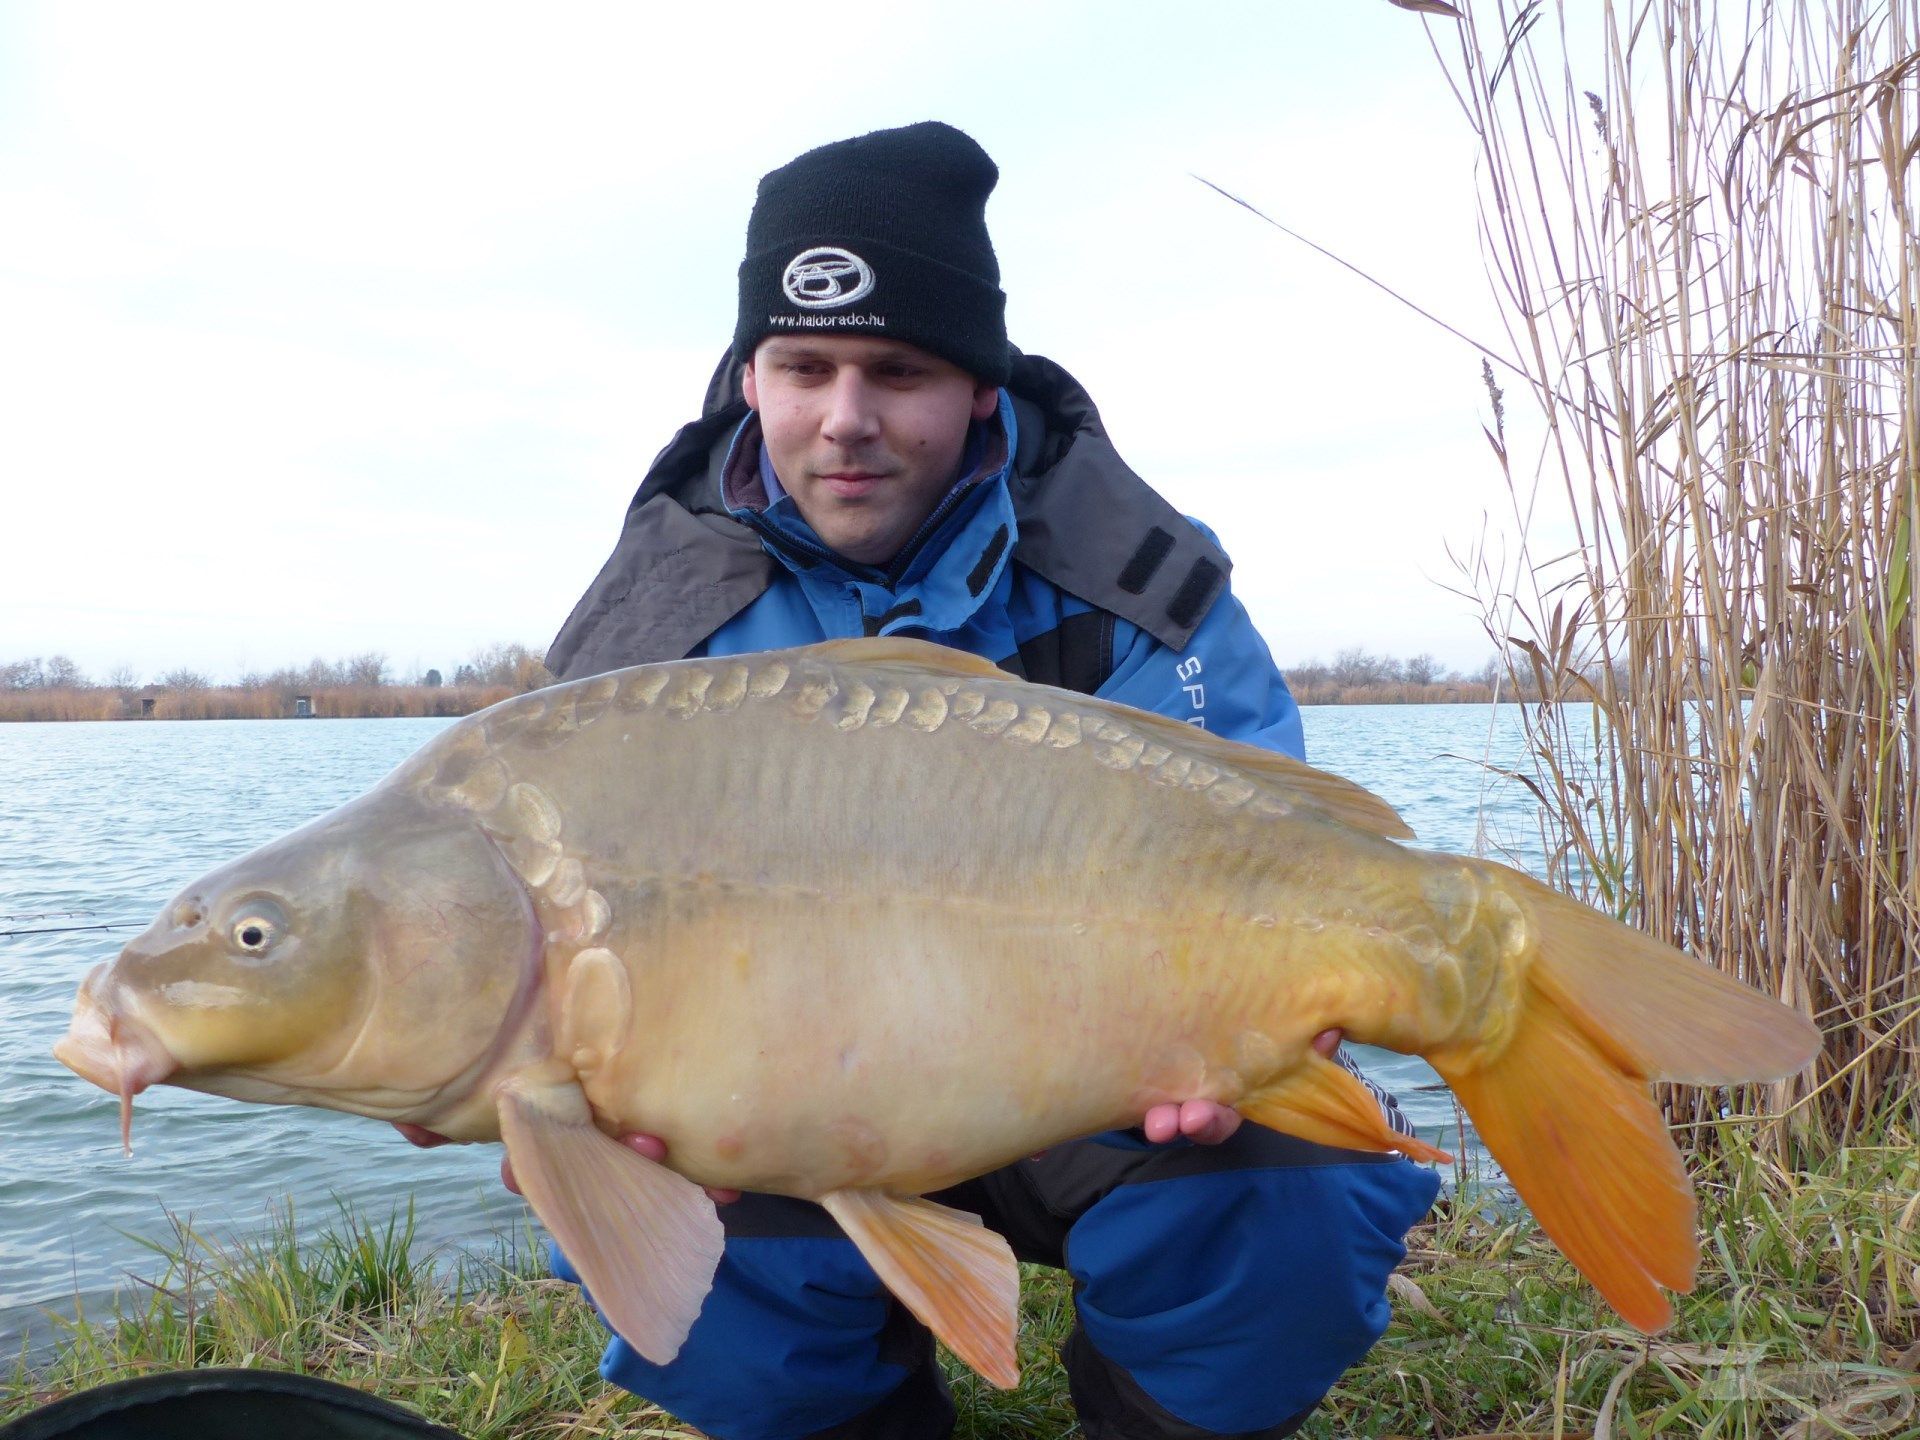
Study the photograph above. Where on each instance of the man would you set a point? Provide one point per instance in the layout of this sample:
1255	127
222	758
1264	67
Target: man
874	459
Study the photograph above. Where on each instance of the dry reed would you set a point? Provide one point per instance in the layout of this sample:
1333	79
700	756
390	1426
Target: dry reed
1703	239
248	703
1391	692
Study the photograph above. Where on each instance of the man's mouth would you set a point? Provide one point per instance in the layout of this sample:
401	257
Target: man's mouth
849	483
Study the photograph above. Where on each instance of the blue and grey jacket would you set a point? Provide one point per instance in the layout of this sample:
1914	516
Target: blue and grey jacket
1050	557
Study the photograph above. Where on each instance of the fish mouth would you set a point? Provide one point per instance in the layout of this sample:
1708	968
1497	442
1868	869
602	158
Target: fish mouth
115	1051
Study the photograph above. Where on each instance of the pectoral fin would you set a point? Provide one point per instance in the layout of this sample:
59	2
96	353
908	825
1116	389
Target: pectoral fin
1323	1101
952	1272
645	1240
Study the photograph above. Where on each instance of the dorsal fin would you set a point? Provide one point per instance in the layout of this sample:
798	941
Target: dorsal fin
1316	790
899	650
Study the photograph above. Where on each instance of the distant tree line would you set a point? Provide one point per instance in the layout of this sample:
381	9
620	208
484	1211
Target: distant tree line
55	688
57	673
357	686
1356	666
515	666
1357	676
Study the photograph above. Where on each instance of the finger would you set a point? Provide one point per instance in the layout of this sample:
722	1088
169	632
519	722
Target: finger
1328	1041
1205	1123
1162	1123
655	1149
506	1175
651	1146
419	1135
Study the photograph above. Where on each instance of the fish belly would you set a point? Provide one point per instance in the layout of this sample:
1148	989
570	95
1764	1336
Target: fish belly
803	1045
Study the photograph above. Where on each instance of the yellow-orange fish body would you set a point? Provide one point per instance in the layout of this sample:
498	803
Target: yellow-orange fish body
857	921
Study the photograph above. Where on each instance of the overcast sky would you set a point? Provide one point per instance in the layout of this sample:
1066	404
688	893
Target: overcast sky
352	327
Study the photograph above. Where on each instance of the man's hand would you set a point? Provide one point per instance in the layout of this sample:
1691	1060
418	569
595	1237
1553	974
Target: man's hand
419	1135
651	1146
1204	1122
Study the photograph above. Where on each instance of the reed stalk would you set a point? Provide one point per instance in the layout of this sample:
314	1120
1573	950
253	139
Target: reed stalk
1699	222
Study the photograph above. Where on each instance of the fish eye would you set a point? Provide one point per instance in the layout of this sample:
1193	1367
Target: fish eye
254	933
254	923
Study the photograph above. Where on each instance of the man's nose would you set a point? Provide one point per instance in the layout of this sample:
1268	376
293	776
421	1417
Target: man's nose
851	417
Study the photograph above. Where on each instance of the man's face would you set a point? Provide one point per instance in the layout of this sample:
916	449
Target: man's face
864	433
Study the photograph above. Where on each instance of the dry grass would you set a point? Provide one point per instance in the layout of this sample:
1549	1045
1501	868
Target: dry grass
355	687
85	703
240	703
1391	692
1705	246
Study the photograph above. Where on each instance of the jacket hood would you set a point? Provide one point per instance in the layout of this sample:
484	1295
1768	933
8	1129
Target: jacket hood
683	565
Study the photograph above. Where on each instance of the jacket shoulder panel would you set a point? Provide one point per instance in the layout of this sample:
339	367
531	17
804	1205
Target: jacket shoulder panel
673	579
1092	526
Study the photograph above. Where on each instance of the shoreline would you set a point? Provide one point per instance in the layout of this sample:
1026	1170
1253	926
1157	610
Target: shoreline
1808	1302
233	702
412	702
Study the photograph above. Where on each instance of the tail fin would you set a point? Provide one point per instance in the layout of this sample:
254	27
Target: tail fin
1665	1015
1566	1107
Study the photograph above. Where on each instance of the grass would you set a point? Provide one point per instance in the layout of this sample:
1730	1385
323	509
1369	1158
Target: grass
1808	1307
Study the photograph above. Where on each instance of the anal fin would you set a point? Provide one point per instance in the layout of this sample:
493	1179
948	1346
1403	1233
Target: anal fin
957	1276
1323	1101
645	1240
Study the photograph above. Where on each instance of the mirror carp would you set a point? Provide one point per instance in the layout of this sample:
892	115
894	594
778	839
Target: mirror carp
857	921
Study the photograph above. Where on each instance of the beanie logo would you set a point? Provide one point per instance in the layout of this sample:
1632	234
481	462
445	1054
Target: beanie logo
826	276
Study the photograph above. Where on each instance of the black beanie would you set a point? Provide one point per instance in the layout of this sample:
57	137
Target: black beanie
884	234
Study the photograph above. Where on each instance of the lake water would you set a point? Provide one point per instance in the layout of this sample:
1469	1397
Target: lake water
113	819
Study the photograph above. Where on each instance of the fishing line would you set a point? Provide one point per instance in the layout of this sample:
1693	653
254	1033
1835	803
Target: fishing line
76	929
63	929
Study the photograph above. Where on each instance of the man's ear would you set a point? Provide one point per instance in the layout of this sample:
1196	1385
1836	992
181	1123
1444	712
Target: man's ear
986	400
749	388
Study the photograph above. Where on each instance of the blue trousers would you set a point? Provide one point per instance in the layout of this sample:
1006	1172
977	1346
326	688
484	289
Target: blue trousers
1220	1291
